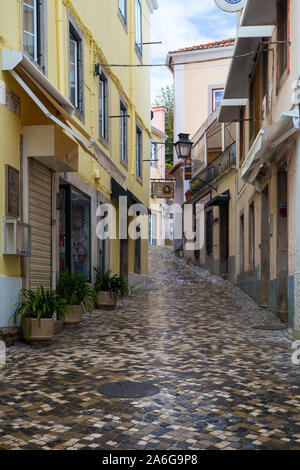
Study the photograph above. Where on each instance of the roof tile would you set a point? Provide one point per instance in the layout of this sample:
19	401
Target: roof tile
210	45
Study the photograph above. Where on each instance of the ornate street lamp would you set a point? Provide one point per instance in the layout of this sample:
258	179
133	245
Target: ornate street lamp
183	146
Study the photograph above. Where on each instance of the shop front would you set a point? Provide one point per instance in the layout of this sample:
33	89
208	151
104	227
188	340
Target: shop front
74	231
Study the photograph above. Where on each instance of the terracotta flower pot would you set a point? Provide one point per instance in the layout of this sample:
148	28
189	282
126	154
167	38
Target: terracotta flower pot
73	314
106	300
39	334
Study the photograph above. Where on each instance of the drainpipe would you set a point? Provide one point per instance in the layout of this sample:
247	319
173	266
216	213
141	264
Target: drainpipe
59	44
295	323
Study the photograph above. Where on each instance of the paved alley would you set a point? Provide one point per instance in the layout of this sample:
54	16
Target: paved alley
226	380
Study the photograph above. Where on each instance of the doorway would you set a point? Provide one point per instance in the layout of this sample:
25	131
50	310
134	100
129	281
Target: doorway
282	247
265	249
224	239
124	258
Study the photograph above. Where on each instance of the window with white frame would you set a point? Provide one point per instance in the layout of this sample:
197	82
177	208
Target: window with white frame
154	154
123	10
75	69
217	96
103	107
34	28
139	152
138	27
123	133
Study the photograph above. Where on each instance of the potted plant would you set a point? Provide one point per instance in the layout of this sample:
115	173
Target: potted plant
35	314
78	294
110	288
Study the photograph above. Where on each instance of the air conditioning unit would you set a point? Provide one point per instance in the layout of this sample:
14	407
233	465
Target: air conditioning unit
16	237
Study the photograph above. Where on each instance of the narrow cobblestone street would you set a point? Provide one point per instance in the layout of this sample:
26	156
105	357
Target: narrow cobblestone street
225	381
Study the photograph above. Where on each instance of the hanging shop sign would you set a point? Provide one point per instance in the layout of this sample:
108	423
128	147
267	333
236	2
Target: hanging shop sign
162	190
12	187
231	6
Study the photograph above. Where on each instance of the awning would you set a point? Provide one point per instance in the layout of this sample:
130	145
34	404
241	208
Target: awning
254	26
266	144
219	200
29	77
11	59
117	191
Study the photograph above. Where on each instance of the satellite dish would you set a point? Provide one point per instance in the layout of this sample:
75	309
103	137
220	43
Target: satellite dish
231	6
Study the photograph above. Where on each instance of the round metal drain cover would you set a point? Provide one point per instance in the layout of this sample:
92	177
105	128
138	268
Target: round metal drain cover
128	389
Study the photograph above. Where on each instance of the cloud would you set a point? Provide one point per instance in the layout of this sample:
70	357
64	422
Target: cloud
184	23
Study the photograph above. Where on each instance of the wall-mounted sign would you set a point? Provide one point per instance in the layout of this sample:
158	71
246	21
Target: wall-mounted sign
231	6
188	173
162	190
12	191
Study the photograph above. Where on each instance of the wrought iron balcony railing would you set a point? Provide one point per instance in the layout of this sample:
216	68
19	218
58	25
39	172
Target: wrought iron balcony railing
215	170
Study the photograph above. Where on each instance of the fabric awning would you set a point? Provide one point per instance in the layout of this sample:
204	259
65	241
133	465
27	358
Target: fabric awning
219	200
11	59
266	144
20	67
117	191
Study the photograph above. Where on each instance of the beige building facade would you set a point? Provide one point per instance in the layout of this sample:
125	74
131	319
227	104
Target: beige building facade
261	94
161	209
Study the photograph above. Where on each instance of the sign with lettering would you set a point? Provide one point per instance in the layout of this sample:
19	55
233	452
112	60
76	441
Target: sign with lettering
231	6
12	191
162	190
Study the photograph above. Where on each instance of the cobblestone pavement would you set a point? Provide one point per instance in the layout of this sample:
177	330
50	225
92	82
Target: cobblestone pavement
224	383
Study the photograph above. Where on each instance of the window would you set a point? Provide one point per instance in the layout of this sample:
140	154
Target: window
30	28
251	237
153	229
209	230
138	28
242	243
123	133
217	96
154	154
137	255
103	108
282	35
139	152
123	10
75	69
34	27
74	231
242	136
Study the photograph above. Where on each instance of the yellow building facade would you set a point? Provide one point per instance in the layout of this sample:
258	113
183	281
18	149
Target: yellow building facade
75	134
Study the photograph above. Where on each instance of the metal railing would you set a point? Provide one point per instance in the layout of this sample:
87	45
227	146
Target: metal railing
215	170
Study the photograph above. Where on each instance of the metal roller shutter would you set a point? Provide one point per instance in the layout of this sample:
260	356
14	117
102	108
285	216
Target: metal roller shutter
40	208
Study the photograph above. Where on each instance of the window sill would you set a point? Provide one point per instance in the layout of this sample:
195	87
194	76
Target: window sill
138	53
40	68
139	180
80	115
104	142
137	270
124	164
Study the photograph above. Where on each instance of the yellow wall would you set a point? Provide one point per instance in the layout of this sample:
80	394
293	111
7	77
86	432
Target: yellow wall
105	40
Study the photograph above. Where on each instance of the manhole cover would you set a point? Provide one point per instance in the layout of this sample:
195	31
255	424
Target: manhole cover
128	389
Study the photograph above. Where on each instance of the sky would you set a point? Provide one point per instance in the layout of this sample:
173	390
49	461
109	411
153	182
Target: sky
184	23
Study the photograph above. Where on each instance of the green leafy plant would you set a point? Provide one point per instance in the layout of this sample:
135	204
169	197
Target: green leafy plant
75	289
37	305
115	284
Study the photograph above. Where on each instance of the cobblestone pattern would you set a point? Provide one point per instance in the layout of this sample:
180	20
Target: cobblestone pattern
223	384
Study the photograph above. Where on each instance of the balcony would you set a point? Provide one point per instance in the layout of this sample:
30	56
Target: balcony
219	167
